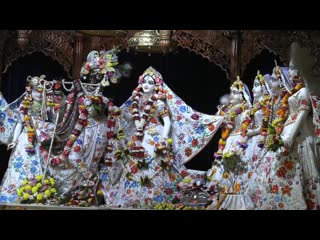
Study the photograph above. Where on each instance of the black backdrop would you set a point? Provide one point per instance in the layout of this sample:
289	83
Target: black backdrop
197	81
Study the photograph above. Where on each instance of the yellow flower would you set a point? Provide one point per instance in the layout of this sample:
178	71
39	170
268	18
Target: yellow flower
46	181
100	192
237	187
187	180
225	175
39	185
20	192
53	190
47	193
26	196
39	196
25	182
38	178
169	141
34	189
28	187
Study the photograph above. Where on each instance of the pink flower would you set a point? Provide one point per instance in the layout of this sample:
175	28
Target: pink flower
195	116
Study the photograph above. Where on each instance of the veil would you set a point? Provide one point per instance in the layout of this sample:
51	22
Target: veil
190	130
9	116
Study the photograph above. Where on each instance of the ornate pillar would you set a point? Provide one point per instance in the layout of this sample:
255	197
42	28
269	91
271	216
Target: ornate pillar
77	55
235	37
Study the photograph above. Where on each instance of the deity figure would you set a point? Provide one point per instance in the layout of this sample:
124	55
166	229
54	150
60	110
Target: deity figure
76	168
163	133
292	177
25	161
223	176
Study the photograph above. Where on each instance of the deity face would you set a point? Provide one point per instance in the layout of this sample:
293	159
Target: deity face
225	100
93	58
257	90
274	83
293	71
148	84
235	95
37	94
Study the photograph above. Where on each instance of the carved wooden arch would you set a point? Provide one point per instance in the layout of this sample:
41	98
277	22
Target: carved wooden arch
254	42
54	44
209	44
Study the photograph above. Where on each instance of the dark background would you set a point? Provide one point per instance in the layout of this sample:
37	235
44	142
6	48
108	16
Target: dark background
197	81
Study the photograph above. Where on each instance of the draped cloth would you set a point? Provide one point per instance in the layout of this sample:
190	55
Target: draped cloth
8	118
190	130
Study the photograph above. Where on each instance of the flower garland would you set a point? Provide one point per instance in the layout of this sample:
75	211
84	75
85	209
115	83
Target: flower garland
275	128
28	105
136	148
264	105
231	113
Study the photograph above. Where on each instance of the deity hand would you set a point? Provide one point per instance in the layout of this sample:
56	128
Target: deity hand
250	133
288	142
87	174
139	124
11	145
219	107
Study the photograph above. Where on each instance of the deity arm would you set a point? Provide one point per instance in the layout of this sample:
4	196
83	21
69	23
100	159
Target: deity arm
166	127
253	132
127	116
164	114
303	111
296	127
16	134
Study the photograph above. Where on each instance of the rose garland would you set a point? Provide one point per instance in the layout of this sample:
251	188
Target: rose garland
136	148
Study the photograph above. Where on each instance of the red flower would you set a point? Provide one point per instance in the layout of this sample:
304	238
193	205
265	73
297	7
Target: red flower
179	118
274	189
134	169
211	127
195	142
281	172
77	148
110	135
288	164
286	190
111	123
310	204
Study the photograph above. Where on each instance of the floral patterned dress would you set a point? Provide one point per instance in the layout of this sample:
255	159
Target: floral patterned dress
21	165
291	180
133	191
84	156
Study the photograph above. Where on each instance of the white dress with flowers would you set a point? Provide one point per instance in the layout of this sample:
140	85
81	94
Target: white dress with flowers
217	176
132	191
190	131
21	165
292	181
85	155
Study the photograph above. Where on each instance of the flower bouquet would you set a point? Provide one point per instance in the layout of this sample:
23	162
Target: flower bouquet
38	190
